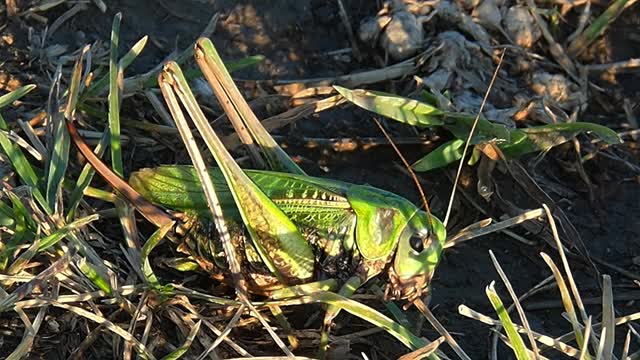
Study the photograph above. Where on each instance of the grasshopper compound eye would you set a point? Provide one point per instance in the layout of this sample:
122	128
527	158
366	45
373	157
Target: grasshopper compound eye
416	243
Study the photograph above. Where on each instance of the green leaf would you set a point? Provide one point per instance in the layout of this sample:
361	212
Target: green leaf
519	348
442	156
543	138
460	125
404	110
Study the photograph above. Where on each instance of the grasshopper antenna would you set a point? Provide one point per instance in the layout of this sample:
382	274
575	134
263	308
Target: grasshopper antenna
148	210
413	174
466	145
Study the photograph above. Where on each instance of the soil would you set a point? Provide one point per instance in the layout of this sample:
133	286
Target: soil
294	37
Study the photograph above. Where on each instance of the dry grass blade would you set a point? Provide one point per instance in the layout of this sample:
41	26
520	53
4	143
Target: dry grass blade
41	151
516	302
541	338
225	332
26	288
24	348
608	318
566	297
470	136
565	263
24	144
625	348
584	346
140	348
556	49
438	326
176	354
425	351
463	236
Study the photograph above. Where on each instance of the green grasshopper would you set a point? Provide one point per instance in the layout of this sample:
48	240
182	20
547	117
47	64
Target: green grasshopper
287	228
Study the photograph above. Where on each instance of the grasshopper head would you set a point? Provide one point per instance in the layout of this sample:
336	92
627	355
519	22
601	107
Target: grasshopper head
417	255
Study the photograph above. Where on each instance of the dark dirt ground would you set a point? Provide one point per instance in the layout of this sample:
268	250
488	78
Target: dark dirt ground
294	37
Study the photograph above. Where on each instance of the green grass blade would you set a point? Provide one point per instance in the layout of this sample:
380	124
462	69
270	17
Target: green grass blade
99	280
114	98
18	160
441	156
7	218
103	83
519	348
179	352
23	226
147	270
590	34
84	179
368	314
62	232
404	110
608	318
566	298
8	99
59	157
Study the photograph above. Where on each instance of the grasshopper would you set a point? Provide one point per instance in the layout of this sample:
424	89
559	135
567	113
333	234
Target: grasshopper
287	228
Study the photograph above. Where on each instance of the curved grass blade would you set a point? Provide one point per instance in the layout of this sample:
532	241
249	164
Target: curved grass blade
368	314
179	352
519	348
147	270
566	299
24	228
8	99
